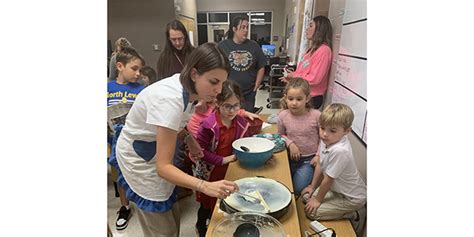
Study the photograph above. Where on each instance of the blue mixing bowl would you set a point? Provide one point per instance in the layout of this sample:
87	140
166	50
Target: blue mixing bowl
260	150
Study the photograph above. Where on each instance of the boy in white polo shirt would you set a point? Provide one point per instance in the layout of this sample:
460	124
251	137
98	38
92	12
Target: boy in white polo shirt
337	190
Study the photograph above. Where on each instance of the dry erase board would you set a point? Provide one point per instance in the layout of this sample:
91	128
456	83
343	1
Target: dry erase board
350	82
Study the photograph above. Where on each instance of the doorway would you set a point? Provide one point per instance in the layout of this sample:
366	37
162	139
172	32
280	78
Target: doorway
216	32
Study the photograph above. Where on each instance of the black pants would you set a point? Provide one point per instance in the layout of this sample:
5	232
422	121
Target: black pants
317	101
201	224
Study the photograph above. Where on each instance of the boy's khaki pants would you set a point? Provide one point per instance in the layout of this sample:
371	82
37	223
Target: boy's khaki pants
335	206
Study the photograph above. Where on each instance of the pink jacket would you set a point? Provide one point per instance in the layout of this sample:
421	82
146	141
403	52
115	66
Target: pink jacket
315	69
197	118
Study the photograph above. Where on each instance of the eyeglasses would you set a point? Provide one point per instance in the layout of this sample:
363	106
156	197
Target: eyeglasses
175	40
229	107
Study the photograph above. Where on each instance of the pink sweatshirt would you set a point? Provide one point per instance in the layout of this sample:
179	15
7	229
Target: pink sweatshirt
303	130
315	69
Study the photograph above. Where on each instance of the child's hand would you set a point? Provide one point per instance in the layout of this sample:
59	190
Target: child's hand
312	206
251	116
271	160
294	152
308	189
229	159
196	156
315	160
201	107
195	150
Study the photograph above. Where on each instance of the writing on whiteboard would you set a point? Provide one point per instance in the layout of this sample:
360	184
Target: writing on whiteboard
342	69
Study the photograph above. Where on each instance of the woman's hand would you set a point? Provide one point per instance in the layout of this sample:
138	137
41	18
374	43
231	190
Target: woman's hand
287	74
284	79
288	69
218	189
294	152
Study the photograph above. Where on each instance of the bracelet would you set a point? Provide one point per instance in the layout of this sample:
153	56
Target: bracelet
199	184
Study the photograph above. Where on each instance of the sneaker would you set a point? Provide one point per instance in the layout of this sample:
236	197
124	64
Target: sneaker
359	221
122	219
200	230
257	110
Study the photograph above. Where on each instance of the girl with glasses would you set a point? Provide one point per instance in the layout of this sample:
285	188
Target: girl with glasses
215	136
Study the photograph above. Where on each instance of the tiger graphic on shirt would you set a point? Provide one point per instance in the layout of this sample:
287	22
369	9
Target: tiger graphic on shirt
240	60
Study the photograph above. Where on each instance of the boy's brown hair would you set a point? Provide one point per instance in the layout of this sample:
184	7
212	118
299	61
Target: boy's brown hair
337	115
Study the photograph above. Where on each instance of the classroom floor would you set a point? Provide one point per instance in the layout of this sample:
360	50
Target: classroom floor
188	205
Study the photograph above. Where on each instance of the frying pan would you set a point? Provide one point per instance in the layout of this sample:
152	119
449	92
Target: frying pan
275	194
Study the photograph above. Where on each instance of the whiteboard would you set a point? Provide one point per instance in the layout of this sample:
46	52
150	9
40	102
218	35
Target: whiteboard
357	104
352	73
364	136
354	39
354	10
350	77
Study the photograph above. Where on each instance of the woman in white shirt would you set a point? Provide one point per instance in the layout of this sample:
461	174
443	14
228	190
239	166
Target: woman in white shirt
146	144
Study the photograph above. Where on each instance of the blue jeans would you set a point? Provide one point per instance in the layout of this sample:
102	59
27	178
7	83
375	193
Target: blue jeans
249	101
317	101
301	173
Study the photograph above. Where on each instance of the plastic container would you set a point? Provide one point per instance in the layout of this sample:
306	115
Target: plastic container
260	150
249	224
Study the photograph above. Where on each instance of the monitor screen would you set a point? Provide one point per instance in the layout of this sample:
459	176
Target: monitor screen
269	50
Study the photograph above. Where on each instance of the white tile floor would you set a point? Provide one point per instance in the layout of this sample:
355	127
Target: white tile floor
188	205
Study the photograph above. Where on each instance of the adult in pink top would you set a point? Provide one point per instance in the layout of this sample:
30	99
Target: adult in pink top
316	62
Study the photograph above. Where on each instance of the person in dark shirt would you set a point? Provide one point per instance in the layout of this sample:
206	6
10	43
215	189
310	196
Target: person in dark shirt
177	48
246	59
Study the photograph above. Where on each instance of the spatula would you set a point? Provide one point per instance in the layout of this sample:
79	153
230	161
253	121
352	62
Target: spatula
255	199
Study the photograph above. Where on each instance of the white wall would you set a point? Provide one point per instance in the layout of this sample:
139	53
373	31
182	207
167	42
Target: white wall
294	10
277	6
143	22
293	13
187	8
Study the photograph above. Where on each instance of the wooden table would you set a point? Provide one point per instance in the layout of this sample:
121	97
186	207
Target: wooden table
278	170
343	227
